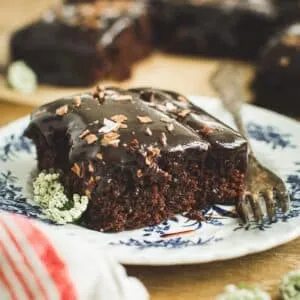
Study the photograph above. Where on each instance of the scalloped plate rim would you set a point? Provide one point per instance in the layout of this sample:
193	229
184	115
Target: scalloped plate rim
134	256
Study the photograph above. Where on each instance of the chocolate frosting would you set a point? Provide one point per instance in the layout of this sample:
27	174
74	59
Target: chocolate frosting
111	121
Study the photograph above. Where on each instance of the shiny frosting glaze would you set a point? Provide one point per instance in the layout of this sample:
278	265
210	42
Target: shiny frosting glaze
111	121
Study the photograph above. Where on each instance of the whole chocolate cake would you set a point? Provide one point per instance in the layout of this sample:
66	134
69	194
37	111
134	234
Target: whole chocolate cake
140	155
276	82
80	44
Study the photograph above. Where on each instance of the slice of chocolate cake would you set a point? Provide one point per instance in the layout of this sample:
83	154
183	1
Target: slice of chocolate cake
80	44
276	82
235	29
140	155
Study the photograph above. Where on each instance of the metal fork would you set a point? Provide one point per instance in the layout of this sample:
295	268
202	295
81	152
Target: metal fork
265	192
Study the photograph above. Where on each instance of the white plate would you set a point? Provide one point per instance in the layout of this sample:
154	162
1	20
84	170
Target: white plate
276	141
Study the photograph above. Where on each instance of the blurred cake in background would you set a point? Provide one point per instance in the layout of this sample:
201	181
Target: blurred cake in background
80	44
235	29
84	41
276	82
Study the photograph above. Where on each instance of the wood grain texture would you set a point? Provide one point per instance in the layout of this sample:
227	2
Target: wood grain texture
186	75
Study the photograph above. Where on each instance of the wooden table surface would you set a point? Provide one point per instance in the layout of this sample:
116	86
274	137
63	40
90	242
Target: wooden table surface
202	281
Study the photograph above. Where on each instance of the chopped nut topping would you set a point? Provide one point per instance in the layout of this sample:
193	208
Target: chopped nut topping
76	169
163	139
284	61
99	156
119	118
62	110
123	126
76	101
91	138
144	119
139	173
166	120
184	113
91	167
170	127
111	138
108	126
148	131
84	133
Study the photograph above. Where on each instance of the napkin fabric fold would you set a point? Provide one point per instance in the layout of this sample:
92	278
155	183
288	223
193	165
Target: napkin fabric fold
37	262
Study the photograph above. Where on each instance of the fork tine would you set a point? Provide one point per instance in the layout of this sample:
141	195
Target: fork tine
270	204
242	208
283	199
256	207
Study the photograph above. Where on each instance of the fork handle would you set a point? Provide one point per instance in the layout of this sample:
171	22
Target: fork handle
229	82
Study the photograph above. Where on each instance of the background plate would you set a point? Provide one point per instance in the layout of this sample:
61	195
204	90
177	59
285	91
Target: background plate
276	141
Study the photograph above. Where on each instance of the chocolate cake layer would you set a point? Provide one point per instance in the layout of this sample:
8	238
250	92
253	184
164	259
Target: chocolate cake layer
235	29
276	82
140	155
80	44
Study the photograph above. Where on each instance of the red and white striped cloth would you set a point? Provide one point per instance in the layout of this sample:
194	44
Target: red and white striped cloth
37	265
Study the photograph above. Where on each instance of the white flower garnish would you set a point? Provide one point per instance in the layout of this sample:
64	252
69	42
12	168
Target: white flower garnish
49	195
108	126
232	292
21	78
290	286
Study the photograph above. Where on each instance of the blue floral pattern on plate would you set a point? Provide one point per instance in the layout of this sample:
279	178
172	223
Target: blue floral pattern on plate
177	233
